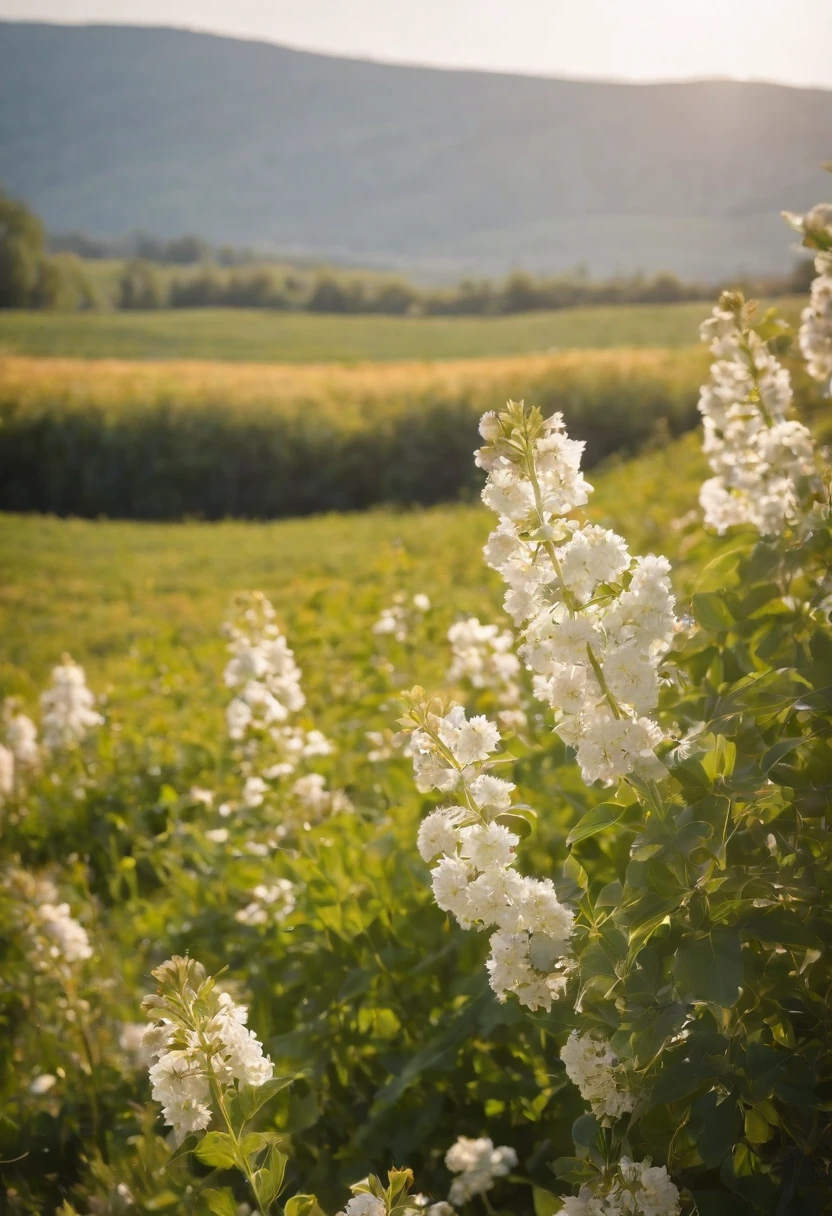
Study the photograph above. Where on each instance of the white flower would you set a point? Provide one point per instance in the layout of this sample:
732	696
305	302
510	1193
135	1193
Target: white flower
254	791
491	793
6	772
593	1067
656	1195
67	707
421	602
469	740
68	941
477	1163
761	460
42	1083
21	737
364	1205
274	901
450	887
439	832
488	845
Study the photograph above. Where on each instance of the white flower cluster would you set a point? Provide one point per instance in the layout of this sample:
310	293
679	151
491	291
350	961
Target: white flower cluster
199	1040
483	655
21	735
262	667
636	1189
477	1163
56	939
596	622
758	455
475	879
816	320
271	902
316	801
67	707
398	620
593	1067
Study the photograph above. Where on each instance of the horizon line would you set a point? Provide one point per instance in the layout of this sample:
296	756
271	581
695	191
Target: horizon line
412	65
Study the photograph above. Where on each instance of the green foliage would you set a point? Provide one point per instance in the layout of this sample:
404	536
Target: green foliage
28	277
706	952
708	970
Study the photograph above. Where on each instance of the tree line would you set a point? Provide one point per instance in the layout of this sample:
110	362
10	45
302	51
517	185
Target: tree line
188	273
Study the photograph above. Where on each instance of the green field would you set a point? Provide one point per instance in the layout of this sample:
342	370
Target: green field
261	336
101	588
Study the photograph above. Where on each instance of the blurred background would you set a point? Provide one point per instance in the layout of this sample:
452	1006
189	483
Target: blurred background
286	186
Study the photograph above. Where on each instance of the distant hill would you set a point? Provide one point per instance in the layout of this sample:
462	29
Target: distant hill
105	129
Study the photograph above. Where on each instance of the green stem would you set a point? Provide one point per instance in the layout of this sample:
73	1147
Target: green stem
599	676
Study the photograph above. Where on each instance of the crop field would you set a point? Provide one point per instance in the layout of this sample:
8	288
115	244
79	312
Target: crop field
169	440
257	336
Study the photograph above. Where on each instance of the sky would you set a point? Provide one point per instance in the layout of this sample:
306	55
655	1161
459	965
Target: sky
789	41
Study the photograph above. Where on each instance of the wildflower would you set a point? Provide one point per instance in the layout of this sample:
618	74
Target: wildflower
272	901
42	1083
596	622
761	459
67	707
474	878
364	1205
593	1067
816	320
484	656
57	941
262	669
477	1164
21	735
6	772
200	1044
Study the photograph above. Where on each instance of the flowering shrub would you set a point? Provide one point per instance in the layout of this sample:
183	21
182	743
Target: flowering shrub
693	939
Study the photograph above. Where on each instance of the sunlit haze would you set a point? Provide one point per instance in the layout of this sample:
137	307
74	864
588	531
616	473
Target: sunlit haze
636	40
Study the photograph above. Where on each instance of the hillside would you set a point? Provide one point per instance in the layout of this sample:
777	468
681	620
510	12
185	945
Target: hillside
106	129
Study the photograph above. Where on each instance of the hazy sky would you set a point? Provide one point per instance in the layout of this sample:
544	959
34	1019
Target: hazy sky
784	40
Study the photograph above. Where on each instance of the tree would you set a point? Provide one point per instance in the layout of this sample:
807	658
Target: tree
21	253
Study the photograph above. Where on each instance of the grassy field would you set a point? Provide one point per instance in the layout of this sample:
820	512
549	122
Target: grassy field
261	336
102	589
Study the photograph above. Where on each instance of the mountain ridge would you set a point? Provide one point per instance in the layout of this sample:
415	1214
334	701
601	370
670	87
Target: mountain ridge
444	169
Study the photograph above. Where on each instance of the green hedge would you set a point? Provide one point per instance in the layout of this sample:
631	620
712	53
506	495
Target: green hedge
165	457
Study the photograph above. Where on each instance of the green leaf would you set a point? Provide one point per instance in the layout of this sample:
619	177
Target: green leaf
251	1098
585	1131
545	1203
217	1149
521	825
573	1169
711	968
221	1202
302	1205
595	820
757	1128
712	612
715	1127
269	1179
573	870
609	896
776	753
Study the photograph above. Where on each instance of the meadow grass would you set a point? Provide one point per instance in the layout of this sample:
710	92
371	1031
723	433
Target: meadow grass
101	589
250	335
